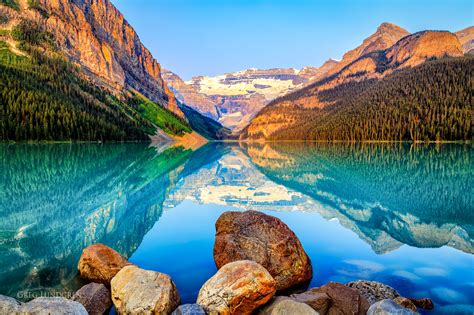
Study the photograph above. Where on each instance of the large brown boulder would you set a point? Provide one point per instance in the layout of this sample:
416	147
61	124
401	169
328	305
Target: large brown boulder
95	297
343	300
99	263
253	235
237	288
139	291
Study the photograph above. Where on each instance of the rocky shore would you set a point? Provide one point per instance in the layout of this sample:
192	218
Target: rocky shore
262	269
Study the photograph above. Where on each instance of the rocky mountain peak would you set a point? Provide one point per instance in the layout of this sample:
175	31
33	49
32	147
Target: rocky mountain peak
96	36
385	36
390	28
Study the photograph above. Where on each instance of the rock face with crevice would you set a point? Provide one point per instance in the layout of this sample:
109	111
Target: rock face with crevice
95	35
266	240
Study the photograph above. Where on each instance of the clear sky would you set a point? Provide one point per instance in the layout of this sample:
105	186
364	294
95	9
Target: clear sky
210	37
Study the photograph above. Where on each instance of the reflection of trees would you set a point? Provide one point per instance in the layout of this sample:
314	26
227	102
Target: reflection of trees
57	199
407	191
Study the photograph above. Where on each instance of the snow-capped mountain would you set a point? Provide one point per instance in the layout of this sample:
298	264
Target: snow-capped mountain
235	98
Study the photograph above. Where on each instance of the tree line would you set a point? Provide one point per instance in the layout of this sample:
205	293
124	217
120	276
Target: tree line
430	102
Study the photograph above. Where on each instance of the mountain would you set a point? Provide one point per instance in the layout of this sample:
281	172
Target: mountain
234	98
466	37
188	95
385	36
76	70
368	92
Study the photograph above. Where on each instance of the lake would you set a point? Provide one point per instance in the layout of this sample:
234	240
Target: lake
400	214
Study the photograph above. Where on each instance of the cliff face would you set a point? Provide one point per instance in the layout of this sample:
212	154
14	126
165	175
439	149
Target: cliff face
466	37
385	36
96	36
188	95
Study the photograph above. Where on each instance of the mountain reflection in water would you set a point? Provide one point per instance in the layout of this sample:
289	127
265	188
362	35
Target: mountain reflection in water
57	199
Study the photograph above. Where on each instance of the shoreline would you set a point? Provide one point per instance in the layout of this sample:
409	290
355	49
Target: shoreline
465	142
245	282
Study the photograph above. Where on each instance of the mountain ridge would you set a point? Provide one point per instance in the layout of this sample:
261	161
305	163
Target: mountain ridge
105	65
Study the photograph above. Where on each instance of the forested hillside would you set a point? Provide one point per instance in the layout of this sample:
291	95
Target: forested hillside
205	126
430	102
44	97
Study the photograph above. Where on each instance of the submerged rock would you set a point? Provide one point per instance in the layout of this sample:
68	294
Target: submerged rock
237	288
53	305
388	307
425	303
9	305
406	303
343	300
285	306
189	309
94	297
253	235
139	291
100	263
374	291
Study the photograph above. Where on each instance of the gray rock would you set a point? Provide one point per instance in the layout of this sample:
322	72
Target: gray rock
9	305
282	305
388	307
374	291
53	306
189	309
95	297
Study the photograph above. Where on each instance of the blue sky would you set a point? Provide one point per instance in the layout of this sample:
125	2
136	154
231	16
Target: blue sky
210	37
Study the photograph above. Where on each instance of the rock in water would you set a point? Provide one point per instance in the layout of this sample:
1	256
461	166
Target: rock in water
239	287
53	305
286	306
406	303
426	304
343	300
252	235
189	309
139	291
95	297
388	307
9	305
374	291
99	263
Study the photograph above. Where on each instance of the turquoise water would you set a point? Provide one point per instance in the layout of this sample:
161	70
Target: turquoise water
399	214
